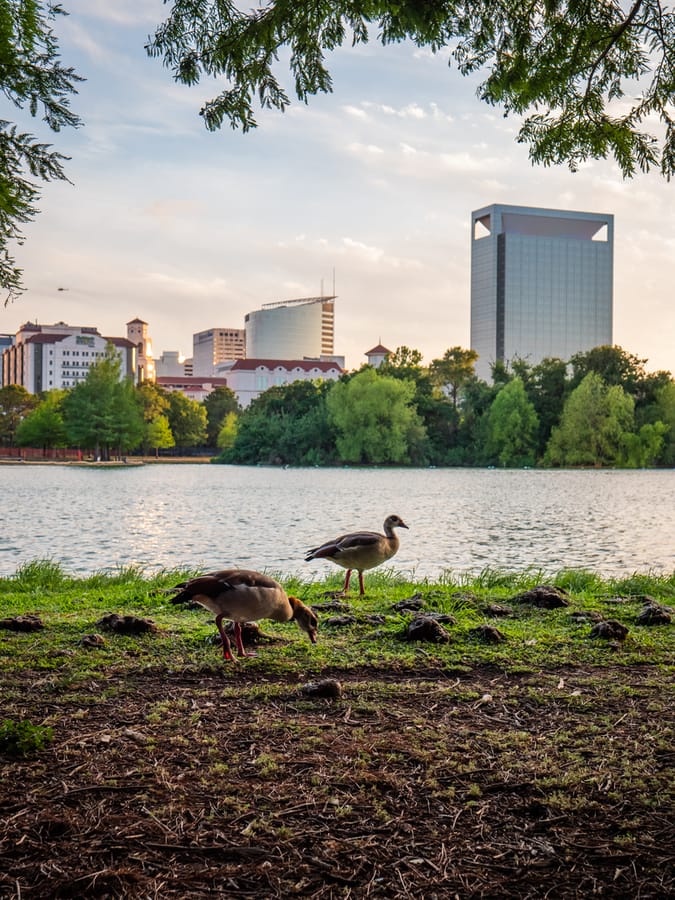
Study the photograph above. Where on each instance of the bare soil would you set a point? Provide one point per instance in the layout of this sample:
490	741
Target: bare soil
429	784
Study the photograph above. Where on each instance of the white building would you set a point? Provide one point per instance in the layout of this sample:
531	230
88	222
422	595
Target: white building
194	387
541	283
377	355
44	357
172	363
249	378
292	329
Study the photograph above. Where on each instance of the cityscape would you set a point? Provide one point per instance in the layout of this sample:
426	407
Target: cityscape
541	287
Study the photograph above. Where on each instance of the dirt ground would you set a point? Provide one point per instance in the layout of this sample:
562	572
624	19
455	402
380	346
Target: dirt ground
423	785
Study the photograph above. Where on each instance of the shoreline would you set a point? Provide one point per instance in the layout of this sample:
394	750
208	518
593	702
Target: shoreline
107	464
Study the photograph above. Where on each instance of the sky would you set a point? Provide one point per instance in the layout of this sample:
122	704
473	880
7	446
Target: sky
367	191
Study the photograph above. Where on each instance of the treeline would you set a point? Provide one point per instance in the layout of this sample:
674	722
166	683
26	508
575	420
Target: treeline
600	408
108	416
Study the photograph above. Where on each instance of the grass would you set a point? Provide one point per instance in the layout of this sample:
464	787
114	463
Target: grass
149	766
535	638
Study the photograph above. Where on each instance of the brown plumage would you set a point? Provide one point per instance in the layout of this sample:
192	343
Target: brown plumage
361	550
242	595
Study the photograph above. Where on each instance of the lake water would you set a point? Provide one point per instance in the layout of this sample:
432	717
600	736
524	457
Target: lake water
202	516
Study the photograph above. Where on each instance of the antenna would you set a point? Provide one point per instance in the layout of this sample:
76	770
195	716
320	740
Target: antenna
333	280
322	287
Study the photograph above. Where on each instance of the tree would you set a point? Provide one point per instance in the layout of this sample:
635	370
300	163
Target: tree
665	403
15	403
614	365
285	425
218	404
512	426
228	432
453	370
103	412
32	76
187	420
642	449
44	426
158	434
128	427
593	422
154	400
546	386
585	77
374	418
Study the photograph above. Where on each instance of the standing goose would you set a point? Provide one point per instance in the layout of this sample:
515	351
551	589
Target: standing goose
244	596
361	550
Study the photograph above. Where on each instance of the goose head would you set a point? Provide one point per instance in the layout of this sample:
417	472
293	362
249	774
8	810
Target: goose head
393	522
305	618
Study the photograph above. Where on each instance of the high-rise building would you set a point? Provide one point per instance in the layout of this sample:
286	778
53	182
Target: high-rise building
292	329
541	283
216	345
44	357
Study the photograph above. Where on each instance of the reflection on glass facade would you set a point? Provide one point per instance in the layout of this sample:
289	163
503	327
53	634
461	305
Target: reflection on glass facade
541	283
292	329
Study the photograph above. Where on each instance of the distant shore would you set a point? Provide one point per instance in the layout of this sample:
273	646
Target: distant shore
112	463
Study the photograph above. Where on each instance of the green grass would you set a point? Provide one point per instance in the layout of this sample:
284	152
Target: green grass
535	638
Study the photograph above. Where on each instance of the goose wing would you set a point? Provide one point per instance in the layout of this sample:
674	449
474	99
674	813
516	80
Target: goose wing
215	584
347	543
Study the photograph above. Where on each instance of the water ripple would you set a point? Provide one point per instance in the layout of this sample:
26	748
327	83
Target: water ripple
206	517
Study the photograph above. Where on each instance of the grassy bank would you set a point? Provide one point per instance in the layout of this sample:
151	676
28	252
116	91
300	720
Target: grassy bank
532	637
537	766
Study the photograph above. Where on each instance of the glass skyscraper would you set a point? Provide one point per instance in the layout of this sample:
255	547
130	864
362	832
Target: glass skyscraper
541	283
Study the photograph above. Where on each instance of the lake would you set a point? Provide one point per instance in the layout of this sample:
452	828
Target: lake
202	516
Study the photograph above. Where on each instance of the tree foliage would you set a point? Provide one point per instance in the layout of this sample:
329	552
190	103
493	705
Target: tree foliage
187	420
375	419
453	370
218	405
588	78
103	413
286	425
158	434
15	403
512	426
593	422
31	77
44	426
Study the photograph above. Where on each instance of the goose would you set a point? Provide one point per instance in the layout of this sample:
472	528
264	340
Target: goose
360	550
242	595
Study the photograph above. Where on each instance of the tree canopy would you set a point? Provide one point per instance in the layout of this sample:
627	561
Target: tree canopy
32	77
375	420
588	77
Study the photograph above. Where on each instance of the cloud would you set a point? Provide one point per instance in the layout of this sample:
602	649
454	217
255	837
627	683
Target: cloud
355	111
409	111
128	13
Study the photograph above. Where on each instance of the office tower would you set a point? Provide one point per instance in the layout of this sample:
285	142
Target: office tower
292	329
216	345
541	283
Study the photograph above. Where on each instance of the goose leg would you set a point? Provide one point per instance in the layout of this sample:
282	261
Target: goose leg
361	588
241	650
347	577
227	649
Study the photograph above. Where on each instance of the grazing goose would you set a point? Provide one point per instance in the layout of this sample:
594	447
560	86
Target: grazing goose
244	596
361	550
